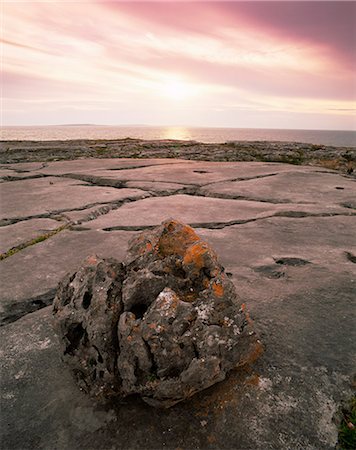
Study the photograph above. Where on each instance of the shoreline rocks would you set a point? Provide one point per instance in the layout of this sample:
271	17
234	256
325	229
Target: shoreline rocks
339	158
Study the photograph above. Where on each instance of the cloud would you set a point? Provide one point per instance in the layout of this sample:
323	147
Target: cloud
268	56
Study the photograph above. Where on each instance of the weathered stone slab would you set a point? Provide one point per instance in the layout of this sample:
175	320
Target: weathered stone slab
321	240
196	210
44	195
159	187
36	270
84	215
197	173
21	232
158	170
89	165
275	257
189	209
293	187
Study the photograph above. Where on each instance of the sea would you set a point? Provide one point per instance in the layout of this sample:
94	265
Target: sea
336	138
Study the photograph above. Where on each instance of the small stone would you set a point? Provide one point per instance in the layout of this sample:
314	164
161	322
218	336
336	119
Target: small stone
164	324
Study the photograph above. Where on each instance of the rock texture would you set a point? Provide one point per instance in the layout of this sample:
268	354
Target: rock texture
287	242
165	324
342	158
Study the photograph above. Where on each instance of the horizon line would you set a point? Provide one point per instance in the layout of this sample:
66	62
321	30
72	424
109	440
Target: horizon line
172	126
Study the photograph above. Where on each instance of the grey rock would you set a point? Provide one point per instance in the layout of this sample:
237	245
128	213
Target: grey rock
87	312
165	324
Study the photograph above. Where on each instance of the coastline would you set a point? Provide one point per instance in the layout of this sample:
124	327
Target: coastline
339	158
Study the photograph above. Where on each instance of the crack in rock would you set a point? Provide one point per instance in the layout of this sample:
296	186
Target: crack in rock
96	181
50	215
250	199
348	205
195	191
55	213
142	166
232	180
350	257
14	311
302	214
12	251
221	225
8	178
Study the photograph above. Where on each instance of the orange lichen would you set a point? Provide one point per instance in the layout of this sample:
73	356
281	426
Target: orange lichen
221	395
92	260
176	238
196	256
247	315
252	355
218	289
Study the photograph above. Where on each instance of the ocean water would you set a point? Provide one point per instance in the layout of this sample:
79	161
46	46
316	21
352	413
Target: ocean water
67	132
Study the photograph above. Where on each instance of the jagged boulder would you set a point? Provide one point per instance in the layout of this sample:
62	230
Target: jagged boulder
164	324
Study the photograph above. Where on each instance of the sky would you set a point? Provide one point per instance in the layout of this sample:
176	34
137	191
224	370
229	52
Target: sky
225	64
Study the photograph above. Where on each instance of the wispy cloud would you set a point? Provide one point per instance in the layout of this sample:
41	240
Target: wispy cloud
126	58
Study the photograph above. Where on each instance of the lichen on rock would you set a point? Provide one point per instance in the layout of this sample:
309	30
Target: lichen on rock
164	324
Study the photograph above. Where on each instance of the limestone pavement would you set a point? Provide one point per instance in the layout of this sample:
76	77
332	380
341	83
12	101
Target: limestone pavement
286	236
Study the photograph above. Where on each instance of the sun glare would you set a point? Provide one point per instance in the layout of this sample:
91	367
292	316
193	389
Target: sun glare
177	90
179	133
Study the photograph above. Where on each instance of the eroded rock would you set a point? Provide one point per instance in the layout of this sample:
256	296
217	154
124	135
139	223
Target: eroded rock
164	324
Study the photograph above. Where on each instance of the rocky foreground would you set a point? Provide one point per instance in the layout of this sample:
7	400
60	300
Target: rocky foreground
286	236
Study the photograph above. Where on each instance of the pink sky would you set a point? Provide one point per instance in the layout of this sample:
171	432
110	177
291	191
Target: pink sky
227	64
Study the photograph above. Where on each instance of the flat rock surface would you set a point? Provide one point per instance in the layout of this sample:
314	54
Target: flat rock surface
84	165
39	196
286	236
197	211
25	231
290	187
31	275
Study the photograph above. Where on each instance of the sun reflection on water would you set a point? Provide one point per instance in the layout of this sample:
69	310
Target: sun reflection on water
179	133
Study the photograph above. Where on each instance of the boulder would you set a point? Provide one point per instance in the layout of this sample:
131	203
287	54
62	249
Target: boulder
164	324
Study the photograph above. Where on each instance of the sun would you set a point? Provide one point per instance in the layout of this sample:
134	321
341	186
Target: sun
177	90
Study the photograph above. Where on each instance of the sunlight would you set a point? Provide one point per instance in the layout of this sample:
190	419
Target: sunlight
177	90
179	133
